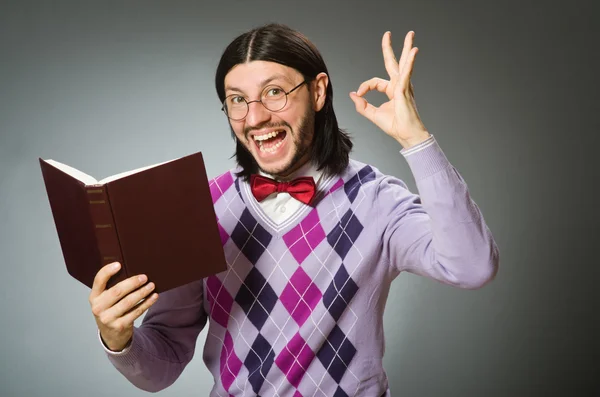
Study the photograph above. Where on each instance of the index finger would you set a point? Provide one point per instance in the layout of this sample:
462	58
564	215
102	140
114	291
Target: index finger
102	277
375	83
389	59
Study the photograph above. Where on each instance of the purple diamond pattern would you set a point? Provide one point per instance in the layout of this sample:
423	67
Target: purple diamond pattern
222	233
256	297
340	393
220	301
345	233
336	353
294	359
305	237
339	293
219	185
259	361
250	237
300	296
230	364
353	186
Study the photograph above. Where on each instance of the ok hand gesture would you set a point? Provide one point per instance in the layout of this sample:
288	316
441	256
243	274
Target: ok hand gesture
398	117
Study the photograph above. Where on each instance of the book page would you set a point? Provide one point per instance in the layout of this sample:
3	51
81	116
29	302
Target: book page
75	173
89	180
126	173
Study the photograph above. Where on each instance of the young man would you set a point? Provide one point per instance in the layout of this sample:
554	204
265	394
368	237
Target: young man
299	311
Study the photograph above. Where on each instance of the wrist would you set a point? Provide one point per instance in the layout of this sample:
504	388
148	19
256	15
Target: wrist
115	347
414	140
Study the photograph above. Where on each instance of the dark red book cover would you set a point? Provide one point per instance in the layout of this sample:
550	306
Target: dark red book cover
158	221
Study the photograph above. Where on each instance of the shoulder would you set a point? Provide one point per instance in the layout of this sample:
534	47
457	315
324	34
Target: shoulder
223	182
362	180
362	175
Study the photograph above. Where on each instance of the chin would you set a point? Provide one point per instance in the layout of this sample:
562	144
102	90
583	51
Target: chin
275	168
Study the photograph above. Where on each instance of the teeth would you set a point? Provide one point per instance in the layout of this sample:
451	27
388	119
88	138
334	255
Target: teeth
266	136
271	149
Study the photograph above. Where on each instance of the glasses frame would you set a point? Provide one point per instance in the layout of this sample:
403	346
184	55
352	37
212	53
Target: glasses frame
224	108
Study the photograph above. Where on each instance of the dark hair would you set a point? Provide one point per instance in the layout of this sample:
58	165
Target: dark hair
278	43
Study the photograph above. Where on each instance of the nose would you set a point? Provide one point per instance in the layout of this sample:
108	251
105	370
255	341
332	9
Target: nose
257	114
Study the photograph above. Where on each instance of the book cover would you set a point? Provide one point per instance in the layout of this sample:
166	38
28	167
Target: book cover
157	220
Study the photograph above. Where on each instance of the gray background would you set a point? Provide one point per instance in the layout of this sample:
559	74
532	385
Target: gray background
509	89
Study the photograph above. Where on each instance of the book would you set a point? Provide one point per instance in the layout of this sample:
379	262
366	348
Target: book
157	220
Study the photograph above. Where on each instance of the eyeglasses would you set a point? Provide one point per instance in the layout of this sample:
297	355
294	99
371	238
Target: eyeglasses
273	98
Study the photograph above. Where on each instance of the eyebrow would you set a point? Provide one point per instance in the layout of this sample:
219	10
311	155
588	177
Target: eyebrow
263	83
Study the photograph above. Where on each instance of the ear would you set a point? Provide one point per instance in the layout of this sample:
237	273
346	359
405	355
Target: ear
319	91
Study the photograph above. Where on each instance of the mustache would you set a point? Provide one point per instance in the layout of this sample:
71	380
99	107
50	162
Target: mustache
248	130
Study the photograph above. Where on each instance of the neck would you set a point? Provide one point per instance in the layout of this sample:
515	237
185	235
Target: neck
303	169
298	167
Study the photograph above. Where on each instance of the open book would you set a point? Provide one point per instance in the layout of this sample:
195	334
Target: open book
156	220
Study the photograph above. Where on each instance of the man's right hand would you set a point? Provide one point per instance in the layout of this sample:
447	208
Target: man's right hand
117	308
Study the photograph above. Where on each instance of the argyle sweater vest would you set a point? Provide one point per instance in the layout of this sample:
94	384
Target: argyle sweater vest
299	310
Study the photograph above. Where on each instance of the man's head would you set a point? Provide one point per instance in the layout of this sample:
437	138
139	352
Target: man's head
295	122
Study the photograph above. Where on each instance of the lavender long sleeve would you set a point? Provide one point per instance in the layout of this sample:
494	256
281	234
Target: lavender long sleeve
300	309
440	233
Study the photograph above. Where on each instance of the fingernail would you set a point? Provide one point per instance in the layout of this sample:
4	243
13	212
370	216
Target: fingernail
150	286
142	278
116	265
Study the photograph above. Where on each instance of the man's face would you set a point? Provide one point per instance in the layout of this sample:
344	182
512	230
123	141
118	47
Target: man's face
279	140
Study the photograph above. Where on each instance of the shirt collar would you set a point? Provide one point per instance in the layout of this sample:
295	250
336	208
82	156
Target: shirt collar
308	169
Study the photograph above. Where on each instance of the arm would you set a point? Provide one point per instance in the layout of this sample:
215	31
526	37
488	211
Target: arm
164	343
441	233
444	237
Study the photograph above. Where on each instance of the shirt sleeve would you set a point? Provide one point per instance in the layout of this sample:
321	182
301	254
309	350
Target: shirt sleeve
165	341
439	233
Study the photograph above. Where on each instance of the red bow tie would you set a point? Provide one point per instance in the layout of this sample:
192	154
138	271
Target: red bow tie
302	189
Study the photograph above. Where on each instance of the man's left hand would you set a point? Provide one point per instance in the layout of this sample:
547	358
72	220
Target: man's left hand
397	117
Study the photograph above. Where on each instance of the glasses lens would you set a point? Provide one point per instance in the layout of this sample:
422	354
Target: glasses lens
236	107
274	98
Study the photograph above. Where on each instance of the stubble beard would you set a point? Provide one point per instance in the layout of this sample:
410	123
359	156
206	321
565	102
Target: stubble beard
302	146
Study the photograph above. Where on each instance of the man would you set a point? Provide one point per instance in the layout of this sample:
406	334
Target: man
299	311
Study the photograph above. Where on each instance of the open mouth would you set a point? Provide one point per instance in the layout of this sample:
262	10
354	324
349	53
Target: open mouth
270	142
